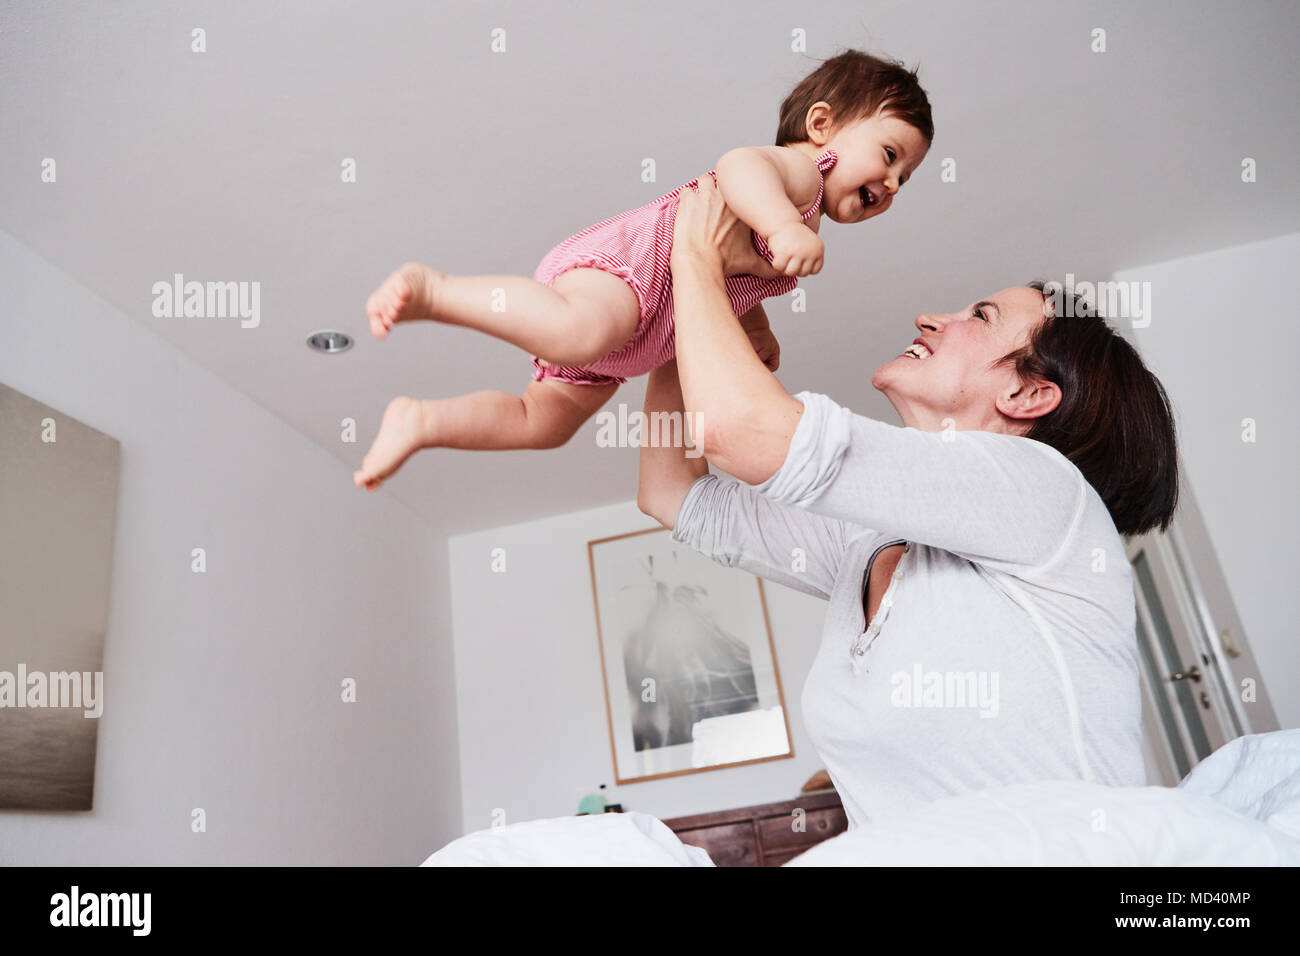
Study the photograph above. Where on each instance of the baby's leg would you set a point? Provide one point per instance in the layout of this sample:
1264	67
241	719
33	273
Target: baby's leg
545	417
587	314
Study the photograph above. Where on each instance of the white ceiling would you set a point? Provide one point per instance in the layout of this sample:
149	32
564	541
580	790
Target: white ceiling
225	166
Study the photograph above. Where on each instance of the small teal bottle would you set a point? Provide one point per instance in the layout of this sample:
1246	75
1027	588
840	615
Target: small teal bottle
592	803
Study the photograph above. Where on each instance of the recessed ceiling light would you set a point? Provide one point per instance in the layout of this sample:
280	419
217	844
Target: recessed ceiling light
329	341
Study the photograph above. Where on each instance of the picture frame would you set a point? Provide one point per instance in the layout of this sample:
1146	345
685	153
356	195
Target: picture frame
59	514
687	659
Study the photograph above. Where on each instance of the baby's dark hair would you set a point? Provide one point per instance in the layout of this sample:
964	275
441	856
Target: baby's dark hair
856	85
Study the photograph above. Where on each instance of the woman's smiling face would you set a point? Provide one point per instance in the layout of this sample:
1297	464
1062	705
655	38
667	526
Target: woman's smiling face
952	376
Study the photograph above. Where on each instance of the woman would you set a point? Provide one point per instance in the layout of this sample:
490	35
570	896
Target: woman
980	629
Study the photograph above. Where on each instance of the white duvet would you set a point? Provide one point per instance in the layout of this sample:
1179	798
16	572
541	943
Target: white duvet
607	839
1239	806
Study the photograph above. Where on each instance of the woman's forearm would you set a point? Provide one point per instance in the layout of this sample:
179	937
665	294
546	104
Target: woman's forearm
744	418
666	473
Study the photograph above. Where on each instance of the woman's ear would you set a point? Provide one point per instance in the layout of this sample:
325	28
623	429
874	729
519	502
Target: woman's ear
1030	400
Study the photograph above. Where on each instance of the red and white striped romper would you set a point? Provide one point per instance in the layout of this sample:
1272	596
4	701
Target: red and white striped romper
635	246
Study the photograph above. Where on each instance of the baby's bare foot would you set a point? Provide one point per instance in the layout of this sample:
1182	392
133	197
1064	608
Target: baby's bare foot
405	295
401	434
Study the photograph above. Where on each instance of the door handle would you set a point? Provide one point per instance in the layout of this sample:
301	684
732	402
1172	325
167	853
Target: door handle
1193	675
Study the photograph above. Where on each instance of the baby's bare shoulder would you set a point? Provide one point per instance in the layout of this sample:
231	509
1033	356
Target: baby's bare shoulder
798	172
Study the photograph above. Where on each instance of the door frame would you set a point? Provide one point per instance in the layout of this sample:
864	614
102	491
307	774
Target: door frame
1212	636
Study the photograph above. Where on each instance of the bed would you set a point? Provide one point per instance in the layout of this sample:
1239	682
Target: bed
1238	807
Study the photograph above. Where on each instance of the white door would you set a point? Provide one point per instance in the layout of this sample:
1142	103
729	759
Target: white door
1197	692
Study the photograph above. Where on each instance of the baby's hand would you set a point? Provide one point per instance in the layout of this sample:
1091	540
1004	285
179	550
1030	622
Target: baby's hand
796	250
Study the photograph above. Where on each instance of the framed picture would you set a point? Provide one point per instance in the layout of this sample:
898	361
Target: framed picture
58	512
691	682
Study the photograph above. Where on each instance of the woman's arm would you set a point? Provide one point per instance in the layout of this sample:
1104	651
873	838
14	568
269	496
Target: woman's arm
730	522
997	500
744	418
666	473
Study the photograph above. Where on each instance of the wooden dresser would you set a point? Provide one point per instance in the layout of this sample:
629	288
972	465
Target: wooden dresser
763	835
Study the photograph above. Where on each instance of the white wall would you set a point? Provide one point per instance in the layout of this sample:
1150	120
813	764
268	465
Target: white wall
533	730
1224	339
222	690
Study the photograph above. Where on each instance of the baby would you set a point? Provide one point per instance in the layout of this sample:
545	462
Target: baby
599	308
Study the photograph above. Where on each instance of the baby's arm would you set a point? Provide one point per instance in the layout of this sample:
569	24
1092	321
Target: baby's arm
765	186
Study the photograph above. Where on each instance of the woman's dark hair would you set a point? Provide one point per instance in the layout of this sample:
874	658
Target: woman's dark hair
856	85
1114	420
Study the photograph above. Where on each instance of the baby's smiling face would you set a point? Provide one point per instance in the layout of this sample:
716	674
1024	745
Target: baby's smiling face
875	157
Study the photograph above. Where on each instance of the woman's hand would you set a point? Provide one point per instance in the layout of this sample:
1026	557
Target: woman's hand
766	347
706	229
764	343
